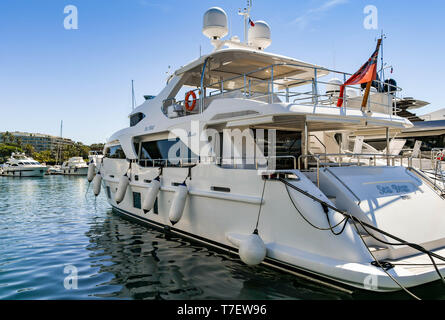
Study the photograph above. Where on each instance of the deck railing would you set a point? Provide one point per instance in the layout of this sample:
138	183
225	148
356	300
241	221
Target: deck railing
231	162
301	91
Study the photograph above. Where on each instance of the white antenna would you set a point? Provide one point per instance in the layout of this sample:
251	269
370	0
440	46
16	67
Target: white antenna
382	70
246	14
133	99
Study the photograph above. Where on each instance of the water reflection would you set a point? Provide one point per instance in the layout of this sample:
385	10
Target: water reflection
51	222
150	265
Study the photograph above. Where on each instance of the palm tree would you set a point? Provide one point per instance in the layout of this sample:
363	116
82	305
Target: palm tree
7	137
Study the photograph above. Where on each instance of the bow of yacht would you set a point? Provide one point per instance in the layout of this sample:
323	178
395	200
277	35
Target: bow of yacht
232	166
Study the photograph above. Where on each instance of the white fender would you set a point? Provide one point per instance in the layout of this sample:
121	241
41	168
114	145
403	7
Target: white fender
97	181
91	171
252	250
178	204
152	194
124	181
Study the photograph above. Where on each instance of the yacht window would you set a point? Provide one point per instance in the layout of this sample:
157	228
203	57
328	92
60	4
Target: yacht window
21	163
137	200
115	152
287	148
136	118
157	153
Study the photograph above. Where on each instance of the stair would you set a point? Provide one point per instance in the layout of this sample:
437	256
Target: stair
380	253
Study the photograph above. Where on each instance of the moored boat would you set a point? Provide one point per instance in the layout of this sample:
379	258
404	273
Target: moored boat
224	155
20	165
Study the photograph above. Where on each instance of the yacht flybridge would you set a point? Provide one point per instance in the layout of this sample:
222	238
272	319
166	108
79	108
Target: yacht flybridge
226	154
19	165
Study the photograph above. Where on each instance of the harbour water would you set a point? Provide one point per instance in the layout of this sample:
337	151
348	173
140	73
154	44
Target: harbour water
50	226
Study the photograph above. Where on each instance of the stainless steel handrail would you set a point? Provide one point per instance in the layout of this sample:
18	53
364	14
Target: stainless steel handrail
183	162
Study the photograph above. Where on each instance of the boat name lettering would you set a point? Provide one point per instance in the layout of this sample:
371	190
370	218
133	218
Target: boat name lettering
394	188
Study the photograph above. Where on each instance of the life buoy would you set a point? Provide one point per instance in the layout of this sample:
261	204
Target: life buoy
188	106
440	156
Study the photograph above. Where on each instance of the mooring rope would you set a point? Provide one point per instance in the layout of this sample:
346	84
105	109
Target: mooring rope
348	216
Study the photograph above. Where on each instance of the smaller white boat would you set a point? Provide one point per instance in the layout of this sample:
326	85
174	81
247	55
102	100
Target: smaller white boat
75	166
19	165
56	169
95	157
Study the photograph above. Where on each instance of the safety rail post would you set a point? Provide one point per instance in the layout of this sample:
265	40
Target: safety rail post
271	89
315	87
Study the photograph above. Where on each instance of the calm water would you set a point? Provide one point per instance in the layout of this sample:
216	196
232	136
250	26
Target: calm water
49	223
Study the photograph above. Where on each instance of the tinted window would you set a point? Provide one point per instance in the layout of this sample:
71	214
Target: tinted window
115	152
287	147
136	118
157	152
137	200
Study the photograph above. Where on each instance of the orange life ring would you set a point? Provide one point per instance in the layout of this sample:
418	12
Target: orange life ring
189	107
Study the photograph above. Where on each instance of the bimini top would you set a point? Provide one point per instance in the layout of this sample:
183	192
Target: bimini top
225	64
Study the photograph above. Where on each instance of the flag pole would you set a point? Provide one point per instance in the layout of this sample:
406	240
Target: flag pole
368	85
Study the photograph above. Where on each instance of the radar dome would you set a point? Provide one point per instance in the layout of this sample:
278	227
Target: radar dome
215	23
259	35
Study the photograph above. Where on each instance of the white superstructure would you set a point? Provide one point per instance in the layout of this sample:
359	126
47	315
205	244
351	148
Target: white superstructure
20	165
232	165
75	166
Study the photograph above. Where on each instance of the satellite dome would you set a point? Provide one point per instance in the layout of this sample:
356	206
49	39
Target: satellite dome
215	23
259	35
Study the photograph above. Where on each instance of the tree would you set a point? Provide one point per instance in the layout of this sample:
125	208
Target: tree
29	149
6	150
19	141
7	137
97	147
43	156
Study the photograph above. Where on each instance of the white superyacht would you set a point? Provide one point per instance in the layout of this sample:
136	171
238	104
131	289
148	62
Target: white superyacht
224	155
75	166
20	165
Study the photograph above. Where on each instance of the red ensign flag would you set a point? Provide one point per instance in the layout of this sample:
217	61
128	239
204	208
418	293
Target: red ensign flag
367	73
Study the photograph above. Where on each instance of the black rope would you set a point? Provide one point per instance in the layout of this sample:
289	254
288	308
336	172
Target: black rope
364	225
331	228
412	245
382	265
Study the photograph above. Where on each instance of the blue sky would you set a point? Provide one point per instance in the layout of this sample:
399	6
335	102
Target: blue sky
83	76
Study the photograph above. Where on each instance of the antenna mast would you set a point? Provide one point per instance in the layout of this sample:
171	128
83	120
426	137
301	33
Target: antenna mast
246	14
133	100
382	70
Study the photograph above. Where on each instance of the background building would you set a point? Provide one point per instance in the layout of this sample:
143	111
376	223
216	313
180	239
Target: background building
433	116
39	141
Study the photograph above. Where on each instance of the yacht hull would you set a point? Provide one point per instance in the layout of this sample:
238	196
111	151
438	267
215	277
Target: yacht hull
25	172
83	171
213	217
